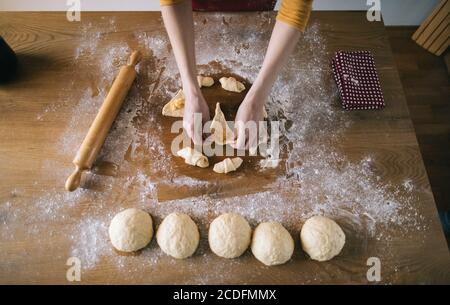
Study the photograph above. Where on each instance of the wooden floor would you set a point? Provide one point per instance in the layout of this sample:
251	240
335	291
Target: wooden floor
426	83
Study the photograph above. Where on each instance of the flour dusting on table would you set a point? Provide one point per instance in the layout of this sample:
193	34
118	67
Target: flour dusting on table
319	178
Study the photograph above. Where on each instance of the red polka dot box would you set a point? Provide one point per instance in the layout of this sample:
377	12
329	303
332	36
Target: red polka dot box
357	80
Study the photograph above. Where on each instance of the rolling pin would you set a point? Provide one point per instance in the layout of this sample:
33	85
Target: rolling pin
99	129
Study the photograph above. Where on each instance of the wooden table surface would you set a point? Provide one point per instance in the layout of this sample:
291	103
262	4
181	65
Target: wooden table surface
40	222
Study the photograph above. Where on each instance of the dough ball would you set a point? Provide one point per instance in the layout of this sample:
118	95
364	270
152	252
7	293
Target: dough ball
272	244
229	235
322	238
131	230
178	235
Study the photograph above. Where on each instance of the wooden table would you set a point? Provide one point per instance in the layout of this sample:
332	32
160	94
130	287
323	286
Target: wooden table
40	222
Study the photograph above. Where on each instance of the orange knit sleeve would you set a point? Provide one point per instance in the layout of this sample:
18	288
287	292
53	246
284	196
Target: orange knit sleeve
295	13
169	2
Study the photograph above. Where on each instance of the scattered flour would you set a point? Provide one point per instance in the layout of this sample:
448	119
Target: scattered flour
319	178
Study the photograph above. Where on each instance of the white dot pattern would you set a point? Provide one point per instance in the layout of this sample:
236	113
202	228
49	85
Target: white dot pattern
357	80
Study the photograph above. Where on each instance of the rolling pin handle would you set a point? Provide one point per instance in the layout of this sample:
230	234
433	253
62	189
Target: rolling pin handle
135	58
73	182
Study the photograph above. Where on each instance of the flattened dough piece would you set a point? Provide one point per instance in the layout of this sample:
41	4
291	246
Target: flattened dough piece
222	132
231	84
227	165
205	81
175	107
193	157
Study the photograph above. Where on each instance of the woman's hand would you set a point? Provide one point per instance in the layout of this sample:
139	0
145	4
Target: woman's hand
282	42
250	111
195	103
180	28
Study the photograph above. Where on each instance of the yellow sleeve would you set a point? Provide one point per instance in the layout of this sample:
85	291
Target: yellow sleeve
295	13
169	2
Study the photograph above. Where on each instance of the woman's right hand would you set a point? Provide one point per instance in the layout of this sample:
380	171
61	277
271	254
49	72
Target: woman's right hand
180	28
195	103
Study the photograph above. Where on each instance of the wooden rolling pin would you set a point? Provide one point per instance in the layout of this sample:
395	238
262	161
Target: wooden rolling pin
99	129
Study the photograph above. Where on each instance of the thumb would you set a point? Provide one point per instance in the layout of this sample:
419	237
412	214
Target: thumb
240	136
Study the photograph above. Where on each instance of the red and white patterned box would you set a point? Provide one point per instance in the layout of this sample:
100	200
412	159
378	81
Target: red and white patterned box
357	80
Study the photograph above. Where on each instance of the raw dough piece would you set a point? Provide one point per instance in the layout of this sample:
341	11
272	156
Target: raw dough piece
227	165
272	244
193	157
231	84
229	235
175	107
322	238
222	132
205	81
131	230
178	235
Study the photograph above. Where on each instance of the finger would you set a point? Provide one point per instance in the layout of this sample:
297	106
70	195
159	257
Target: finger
189	128
262	140
241	138
262	133
247	137
196	138
235	136
206	130
252	144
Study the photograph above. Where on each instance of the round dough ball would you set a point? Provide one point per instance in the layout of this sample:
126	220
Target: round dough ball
272	244
229	235
131	230
322	238
178	235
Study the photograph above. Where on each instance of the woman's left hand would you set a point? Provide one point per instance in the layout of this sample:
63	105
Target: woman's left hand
250	113
282	42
